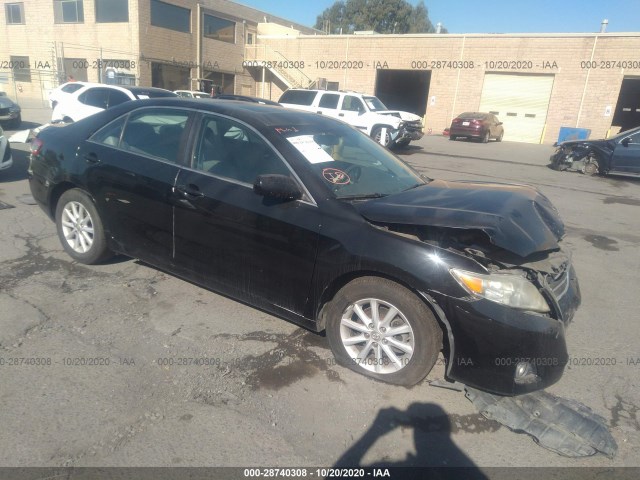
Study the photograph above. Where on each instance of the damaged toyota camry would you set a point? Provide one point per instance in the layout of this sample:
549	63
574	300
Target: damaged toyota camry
307	218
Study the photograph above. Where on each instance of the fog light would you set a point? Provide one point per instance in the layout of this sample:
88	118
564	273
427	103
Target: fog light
525	373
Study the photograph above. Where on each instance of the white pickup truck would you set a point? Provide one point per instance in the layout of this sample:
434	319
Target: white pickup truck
365	112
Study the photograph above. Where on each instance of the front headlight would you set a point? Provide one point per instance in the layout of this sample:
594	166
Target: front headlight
509	289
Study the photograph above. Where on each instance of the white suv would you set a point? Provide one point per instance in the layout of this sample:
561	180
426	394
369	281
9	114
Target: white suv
365	112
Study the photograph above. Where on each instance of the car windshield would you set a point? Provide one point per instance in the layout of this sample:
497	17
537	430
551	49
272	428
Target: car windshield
351	164
5	102
375	104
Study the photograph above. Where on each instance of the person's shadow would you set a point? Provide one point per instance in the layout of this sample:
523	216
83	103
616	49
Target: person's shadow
433	445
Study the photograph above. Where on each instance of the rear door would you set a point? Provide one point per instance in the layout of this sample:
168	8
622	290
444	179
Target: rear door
626	155
328	104
133	164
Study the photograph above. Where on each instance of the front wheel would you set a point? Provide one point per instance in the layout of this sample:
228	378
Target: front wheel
80	228
382	330
377	135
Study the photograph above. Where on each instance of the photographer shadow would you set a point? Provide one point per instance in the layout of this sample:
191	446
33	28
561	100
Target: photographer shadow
435	452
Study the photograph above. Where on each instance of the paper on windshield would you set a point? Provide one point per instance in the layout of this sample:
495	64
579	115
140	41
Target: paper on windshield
308	147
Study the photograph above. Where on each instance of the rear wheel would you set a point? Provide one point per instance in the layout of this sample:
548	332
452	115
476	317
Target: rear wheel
452	137
80	228
17	122
382	330
485	137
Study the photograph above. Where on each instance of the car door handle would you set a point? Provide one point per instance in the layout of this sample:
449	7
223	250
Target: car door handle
341	114
91	157
190	190
319	111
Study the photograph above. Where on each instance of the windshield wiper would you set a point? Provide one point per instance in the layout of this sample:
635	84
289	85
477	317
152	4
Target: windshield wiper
414	186
362	197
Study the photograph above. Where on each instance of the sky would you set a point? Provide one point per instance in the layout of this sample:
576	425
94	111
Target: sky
493	16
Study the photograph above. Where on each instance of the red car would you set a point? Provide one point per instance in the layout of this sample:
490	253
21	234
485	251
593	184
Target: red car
478	125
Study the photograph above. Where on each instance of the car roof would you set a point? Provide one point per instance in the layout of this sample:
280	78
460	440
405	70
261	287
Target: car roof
245	98
474	115
255	114
145	90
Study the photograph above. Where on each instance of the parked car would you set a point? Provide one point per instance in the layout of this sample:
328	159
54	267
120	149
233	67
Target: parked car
365	112
305	217
5	152
63	91
476	125
95	97
191	94
619	154
244	98
10	113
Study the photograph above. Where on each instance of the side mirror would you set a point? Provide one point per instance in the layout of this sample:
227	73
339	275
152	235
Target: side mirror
625	142
281	187
499	123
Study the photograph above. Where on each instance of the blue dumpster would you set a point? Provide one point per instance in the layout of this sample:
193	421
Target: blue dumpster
569	133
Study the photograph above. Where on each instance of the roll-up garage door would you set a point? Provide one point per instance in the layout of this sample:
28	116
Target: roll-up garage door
520	102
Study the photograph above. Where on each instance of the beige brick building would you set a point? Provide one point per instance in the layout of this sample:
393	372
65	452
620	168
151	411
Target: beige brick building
535	83
174	44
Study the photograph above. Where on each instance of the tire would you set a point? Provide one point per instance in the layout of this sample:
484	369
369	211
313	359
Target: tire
15	124
452	137
376	134
80	228
485	137
420	338
402	143
591	167
499	139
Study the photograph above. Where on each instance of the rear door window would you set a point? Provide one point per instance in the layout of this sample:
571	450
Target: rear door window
155	132
298	97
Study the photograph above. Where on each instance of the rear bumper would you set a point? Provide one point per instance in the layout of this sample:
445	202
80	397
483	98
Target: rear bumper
466	132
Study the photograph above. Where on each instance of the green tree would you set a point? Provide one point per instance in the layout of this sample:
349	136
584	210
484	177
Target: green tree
383	16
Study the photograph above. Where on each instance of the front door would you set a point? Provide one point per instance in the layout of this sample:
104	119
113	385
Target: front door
233	240
626	155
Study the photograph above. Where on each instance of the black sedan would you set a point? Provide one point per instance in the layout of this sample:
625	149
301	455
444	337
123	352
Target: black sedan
308	218
476	125
619	155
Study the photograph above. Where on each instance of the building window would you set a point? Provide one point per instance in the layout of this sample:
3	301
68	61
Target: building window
249	38
170	16
219	29
111	11
21	70
14	13
68	11
220	82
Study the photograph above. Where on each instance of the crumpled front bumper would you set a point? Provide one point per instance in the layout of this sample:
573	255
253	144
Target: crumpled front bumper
409	133
489	341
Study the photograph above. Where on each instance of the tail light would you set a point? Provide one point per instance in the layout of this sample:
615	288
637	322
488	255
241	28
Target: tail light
456	121
36	146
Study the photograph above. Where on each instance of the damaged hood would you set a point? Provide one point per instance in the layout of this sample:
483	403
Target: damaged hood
516	218
406	116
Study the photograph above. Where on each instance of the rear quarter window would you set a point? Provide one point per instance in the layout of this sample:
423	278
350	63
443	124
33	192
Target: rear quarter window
298	97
